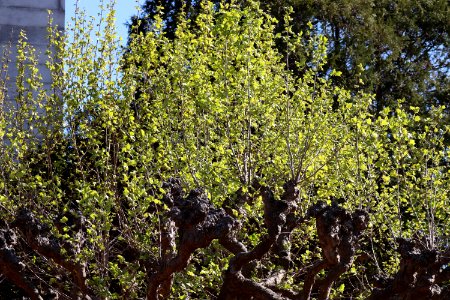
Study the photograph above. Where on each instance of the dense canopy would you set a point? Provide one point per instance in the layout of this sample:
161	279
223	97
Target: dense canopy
401	48
208	163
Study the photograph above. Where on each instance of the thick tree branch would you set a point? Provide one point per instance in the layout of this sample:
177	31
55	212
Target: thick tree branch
420	273
10	266
39	238
338	232
198	223
274	219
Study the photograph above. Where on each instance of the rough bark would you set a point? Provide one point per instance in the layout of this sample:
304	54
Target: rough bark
10	265
420	275
339	232
38	238
198	223
235	283
193	222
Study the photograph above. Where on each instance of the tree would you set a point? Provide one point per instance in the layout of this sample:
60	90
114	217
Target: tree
229	165
400	48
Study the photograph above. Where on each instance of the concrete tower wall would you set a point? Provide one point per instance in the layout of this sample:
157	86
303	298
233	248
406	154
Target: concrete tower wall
32	17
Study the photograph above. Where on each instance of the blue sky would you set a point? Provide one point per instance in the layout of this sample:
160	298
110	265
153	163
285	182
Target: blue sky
124	10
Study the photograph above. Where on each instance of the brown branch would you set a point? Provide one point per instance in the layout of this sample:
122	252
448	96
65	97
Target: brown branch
11	267
338	232
198	223
274	219
39	238
247	288
420	273
311	278
282	246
